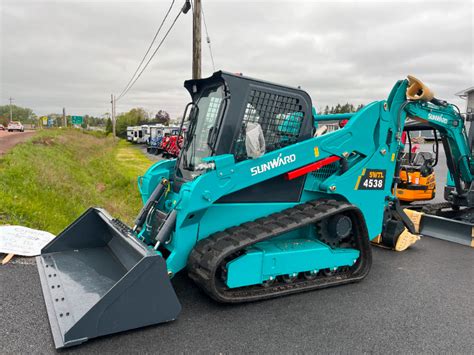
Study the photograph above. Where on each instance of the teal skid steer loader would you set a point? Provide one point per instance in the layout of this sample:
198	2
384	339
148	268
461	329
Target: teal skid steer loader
256	206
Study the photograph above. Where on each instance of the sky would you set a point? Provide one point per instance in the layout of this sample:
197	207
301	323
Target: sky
75	54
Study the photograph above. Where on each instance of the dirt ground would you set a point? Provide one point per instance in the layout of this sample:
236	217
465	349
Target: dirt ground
9	139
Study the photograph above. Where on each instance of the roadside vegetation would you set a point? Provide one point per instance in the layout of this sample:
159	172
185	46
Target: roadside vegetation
49	181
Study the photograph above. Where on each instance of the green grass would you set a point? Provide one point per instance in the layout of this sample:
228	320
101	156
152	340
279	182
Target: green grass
47	182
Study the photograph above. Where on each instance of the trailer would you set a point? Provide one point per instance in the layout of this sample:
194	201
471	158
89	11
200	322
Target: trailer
130	130
145	134
156	133
139	134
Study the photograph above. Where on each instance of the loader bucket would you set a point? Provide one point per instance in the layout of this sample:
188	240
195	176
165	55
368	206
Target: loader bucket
98	279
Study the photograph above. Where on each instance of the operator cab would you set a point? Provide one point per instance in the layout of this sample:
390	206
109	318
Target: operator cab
417	180
232	114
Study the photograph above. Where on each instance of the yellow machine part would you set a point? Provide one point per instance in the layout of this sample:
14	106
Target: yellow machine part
405	240
415	187
415	217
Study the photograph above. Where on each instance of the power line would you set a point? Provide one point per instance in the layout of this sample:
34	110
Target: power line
208	39
149	47
149	60
184	9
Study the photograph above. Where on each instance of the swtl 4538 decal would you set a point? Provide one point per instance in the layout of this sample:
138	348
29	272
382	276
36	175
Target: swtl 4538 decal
371	179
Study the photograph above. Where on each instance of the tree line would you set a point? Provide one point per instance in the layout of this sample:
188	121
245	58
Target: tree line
346	108
26	116
22	114
134	117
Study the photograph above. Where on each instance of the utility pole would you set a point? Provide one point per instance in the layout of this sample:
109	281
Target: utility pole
11	114
197	40
112	101
64	117
115	119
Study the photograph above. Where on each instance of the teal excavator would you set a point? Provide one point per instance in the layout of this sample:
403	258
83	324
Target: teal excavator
256	206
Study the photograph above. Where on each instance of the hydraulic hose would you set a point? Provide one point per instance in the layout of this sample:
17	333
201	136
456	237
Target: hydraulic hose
438	102
399	119
166	229
155	196
399	137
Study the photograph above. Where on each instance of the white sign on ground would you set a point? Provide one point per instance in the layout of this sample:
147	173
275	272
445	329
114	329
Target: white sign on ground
23	241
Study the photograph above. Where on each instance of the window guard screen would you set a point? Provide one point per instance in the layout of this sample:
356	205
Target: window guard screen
279	116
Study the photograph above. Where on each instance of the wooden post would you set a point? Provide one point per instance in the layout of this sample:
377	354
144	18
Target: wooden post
112	101
197	40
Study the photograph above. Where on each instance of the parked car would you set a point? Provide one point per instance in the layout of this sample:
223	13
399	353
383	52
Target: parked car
2	127
15	126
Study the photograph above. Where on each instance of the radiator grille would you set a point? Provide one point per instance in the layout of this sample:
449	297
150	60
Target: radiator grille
326	171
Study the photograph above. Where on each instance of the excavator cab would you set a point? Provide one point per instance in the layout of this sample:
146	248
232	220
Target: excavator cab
417	180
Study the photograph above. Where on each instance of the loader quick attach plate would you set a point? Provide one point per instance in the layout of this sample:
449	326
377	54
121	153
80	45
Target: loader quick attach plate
98	279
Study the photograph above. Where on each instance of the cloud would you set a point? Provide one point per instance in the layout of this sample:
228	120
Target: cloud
74	54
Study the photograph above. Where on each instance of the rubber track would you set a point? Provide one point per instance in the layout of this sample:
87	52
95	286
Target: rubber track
433	208
205	259
463	214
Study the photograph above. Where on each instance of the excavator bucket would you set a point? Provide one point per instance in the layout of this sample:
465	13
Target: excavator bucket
98	279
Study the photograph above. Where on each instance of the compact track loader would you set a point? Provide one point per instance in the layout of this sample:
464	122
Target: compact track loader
254	207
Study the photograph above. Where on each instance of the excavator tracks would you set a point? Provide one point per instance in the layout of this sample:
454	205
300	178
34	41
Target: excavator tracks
435	208
448	210
207	260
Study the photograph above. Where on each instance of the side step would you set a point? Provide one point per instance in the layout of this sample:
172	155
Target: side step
98	279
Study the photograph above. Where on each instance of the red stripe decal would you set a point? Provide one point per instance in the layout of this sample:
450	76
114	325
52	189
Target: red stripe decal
311	167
